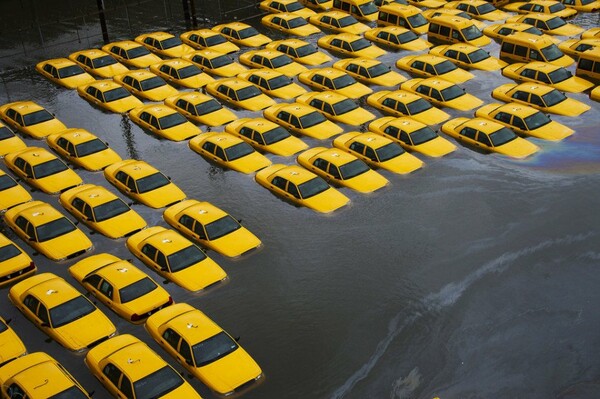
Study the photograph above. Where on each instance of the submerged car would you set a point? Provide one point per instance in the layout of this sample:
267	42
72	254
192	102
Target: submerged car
143	183
64	72
200	108
549	74
266	136
525	120
412	136
99	63
542	6
175	258
82	149
583	5
15	265
272	59
208	39
39	376
301	187
102	211
489	136
300	51
272	83
109	95
468	56
215	63
337	107
286	6
334	80
339	22
575	47
427	65
60	311
542	97
42	170
378	152
128	368
11	192
146	85
342	168
164	122
211	227
9	142
290	23
122	287
350	45
12	348
242	34
404	103
164	44
30	119
182	73
131	54
500	31
240	93
229	151
443	93
47	230
203	348
369	71
479	9
398	38
302	119
548	23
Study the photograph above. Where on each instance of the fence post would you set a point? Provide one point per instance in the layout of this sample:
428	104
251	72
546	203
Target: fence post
193	10
100	4
186	14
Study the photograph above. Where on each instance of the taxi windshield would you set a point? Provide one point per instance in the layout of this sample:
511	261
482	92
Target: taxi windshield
137	289
169	121
279	81
188	71
452	92
221	61
312	187
137	52
344	106
221	227
185	258
54	229
7	252
423	135
555	22
6	182
170	43
559	75
305	50
534	31
90	147
49	168
353	169
343	81
389	151
70	393
485	8
502	136
5	133
103	61
248	92
70	311
552	52
69	71
554	97
478	55
214	40
247	32
213	348
280	61
312	119
471	33
418	106
296	22
368	8
346	21
110	209
536	120
151	182
407	37
417	20
360	44
37	117
115	94
208	107
274	135
444	67
152	83
238	151
157	384
377	70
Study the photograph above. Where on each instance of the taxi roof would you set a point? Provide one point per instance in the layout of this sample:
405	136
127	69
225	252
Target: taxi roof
484	125
193	97
296	174
351	37
534	88
222	139
43	378
437	82
137	360
402	96
140	74
37	212
53	292
36	155
93	195
104	85
206	53
328	96
194	326
429	58
517	109
125	44
297	109
407	124
392	29
539	15
327	71
335	156
259	124
233	25
175	63
202	32
542	66
294	43
288	16
77	135
366	62
24	107
464	47
233	83
264	73
333	14
529	38
160	35
168	241
400	9
452	20
137	169
60	62
205	212
91	53
372	140
120	273
157	110
266	52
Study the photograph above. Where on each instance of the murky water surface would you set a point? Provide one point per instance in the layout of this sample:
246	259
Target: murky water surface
475	277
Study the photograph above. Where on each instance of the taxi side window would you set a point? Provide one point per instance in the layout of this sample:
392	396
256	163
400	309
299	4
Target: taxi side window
121	176
136	85
161	260
404	137
106	289
221	154
518	122
352	68
128	80
328	108
154	122
112	373
258	138
186	352
503	116
131	184
334	171
528	73
182	104
31	303
42	313
89	63
468	132
293	190
434	28
463	57
358	147
537	100
422	89
11	113
208	146
284	116
15	391
126	387
71	149
542	77
145	117
21	222
318	79
321	164
328	83
535	55
54	73
455	35
223	90
316	103
246	132
392	131
521	95
187	221
436	94
418	65
336	43
87	211
149	251
254	79
30	230
257	58
199	229
93	280
444	30
172	338
507	47
370	153
78	204
346	46
279	181
20	163
521	51
484	139
294	121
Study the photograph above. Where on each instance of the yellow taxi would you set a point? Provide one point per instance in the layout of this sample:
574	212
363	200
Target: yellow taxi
342	168
164	121
427	65
64	72
583	5
339	22
442	93
239	93
369	71
108	95
454	29
468	56
215	63
378	152
98	63
524	47
208	39
203	348
273	84
272	59
11	344
548	23
431	4
182	73
175	258
403	15
102	211
164	44
31	119
429	14
337	107
500	31
574	47
543	6
334	80
242	34
146	85
595	94
592	33
9	142
489	136
525	120
398	38
548	74
350	45
412	136
42	170
131	54
301	187
143	183
39	376
404	103
266	136
286	6
128	368
200	108
364	10
290	23
479	9
229	151
212	227
318	5
15	265
47	230
542	97
300	51
122	287
60	311
11	192
302	119
83	149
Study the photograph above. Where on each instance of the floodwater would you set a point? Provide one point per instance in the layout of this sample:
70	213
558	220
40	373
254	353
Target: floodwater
475	277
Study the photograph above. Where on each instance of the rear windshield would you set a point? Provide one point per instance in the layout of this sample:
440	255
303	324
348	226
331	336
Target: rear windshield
8	252
49	168
6	133
6	182
37	117
137	289
221	227
185	258
90	147
72	70
110	209
54	229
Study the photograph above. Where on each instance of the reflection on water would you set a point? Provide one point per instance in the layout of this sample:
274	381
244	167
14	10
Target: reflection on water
128	137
